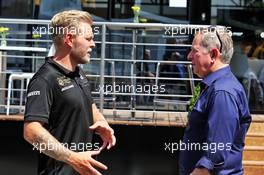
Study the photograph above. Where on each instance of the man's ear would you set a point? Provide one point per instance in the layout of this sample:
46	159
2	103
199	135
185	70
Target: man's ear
214	53
68	39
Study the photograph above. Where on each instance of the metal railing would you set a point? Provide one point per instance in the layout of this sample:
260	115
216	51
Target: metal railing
120	47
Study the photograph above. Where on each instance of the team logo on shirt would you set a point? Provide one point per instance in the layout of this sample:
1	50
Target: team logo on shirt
63	81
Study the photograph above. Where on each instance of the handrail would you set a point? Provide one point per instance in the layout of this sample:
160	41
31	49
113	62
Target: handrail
148	44
21	48
23	21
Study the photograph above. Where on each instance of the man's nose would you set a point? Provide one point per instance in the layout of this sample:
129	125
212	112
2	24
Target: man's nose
92	44
189	56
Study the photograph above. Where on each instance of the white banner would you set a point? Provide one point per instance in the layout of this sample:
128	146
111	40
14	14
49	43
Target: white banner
178	3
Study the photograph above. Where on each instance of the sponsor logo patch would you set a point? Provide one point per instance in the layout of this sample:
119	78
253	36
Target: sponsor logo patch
33	93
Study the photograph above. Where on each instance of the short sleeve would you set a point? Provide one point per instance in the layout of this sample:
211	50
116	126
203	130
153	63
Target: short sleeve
39	100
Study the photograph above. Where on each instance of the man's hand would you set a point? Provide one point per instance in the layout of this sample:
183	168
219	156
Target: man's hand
83	163
200	171
102	128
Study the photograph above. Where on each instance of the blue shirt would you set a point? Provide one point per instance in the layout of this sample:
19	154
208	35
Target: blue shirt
214	137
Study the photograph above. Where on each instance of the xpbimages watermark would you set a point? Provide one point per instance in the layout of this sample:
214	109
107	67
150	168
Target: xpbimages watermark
191	30
190	146
49	30
77	147
129	88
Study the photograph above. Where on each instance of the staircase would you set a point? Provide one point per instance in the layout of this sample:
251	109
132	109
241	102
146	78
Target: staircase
253	156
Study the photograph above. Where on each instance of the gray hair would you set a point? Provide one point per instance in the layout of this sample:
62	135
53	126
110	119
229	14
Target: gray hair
221	39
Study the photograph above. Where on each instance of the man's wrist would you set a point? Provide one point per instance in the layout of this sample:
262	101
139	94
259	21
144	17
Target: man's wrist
71	158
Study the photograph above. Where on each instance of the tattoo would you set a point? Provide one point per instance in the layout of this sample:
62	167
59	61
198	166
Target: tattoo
47	144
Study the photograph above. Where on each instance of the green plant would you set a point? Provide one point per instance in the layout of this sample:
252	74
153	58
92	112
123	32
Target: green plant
195	97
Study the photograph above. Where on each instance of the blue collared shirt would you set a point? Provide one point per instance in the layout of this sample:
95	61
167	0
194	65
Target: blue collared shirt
214	137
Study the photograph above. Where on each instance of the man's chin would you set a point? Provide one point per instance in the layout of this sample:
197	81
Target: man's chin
85	60
199	75
196	73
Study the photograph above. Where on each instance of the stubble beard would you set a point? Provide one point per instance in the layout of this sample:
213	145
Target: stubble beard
85	59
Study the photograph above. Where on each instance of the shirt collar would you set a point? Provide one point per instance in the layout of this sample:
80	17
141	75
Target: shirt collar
209	79
62	69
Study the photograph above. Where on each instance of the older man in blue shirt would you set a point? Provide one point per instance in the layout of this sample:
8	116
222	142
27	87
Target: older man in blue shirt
218	122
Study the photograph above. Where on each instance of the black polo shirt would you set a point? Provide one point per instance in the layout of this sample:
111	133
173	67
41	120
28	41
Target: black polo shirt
62	100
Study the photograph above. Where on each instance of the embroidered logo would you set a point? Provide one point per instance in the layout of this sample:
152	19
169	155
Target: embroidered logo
63	80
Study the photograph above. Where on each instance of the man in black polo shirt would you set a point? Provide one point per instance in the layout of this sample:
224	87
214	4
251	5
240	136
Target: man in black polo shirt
60	114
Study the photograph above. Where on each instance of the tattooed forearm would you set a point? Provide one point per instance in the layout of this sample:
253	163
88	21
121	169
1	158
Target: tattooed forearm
48	145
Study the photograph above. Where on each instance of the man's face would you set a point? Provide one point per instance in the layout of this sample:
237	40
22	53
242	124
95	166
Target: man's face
83	44
200	58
